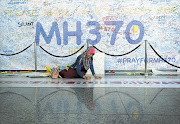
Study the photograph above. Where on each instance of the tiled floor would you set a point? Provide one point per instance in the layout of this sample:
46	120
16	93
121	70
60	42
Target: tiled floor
114	99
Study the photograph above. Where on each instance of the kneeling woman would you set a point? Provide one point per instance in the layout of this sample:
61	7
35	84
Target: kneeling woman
80	67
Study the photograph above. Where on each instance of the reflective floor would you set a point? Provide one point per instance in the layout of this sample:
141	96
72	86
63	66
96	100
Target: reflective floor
114	99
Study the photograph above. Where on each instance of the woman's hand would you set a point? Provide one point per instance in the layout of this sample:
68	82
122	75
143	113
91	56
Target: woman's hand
97	77
87	78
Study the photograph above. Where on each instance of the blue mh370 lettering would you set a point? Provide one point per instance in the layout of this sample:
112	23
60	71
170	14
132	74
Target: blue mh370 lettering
78	32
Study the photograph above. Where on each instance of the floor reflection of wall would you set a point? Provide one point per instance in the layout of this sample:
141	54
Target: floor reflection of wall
90	105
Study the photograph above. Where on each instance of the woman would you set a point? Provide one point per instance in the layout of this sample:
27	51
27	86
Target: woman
80	67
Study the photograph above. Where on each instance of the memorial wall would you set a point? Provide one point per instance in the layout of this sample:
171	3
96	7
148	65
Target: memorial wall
118	28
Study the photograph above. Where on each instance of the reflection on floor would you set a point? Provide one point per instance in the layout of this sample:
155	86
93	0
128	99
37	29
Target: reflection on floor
114	99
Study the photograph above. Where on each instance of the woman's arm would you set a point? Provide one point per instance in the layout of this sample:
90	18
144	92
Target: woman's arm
92	70
80	73
78	69
92	67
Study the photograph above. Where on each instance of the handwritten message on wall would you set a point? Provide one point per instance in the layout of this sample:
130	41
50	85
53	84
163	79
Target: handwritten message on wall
115	27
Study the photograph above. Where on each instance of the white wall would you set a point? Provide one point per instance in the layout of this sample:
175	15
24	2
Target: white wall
160	20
